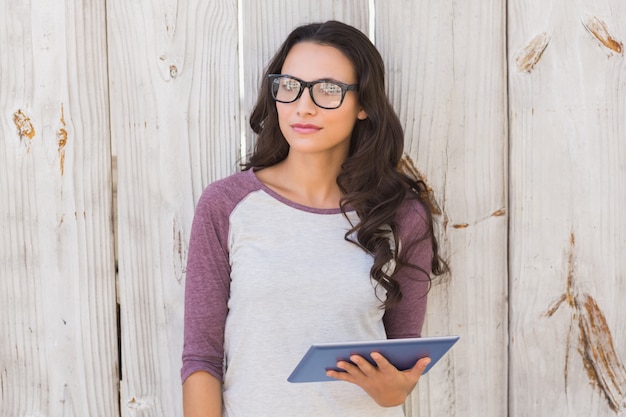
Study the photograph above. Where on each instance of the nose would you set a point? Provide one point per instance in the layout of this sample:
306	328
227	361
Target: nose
305	104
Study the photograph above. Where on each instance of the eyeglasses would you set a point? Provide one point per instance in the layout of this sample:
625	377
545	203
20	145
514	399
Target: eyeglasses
327	94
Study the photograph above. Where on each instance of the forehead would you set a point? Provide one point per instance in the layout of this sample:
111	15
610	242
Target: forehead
311	61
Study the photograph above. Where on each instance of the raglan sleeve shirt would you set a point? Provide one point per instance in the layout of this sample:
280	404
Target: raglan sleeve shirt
207	286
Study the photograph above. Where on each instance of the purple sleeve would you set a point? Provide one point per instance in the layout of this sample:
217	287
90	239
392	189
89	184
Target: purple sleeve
207	287
406	318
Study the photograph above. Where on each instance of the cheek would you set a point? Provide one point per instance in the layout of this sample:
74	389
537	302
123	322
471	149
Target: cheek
283	118
344	121
283	110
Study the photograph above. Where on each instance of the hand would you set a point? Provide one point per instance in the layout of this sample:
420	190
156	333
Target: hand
384	383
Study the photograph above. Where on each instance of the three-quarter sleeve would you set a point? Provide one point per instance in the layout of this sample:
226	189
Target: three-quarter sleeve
406	318
207	287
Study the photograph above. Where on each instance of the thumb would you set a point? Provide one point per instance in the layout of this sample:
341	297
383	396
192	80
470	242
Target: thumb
420	366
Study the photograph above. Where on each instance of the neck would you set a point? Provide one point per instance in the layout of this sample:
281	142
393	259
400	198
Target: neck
309	180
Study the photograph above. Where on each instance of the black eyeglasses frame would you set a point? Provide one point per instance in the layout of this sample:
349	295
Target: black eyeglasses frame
310	84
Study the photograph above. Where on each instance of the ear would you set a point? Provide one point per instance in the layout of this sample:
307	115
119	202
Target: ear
361	115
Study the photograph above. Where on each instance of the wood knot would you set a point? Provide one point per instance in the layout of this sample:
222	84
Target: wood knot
23	124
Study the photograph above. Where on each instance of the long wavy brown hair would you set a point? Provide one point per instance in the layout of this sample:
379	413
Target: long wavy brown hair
370	179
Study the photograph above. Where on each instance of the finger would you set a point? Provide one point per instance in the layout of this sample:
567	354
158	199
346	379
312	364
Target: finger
349	372
364	365
382	363
420	366
342	376
350	367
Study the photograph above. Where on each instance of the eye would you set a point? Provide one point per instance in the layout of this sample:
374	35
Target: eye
330	89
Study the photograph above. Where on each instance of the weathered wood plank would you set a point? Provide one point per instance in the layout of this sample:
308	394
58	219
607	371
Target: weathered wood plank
447	79
175	123
58	347
568	193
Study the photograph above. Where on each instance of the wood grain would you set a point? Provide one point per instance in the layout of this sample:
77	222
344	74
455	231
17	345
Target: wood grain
58	349
567	188
447	80
175	125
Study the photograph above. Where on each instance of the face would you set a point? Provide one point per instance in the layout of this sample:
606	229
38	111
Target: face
307	127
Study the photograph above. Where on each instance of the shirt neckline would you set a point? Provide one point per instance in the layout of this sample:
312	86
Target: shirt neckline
291	203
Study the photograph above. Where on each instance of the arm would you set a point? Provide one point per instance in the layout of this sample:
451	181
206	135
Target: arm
206	296
406	318
202	395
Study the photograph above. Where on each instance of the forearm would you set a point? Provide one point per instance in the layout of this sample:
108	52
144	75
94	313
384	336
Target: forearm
202	395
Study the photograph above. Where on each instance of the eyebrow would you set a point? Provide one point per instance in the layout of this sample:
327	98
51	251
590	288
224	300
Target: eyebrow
330	79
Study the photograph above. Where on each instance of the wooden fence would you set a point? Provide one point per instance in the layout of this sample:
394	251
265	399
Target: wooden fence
115	115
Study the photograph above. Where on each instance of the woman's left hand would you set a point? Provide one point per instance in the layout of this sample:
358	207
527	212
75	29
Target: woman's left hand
384	383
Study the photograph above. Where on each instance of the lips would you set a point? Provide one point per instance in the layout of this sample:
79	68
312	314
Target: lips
305	128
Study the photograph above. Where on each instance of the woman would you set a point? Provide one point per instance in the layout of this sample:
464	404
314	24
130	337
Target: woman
320	239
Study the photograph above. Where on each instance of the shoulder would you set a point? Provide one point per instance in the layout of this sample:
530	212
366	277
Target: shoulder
223	195
413	216
231	188
245	180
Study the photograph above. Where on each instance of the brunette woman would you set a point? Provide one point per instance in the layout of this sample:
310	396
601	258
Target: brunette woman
321	238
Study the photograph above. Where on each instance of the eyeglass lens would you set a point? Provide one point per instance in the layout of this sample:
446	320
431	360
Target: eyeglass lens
324	93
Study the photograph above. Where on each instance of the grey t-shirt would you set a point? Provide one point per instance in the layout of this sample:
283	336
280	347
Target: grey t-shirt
267	277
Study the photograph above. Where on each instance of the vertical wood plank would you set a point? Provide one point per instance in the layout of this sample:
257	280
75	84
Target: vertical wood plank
175	122
58	349
568	192
447	79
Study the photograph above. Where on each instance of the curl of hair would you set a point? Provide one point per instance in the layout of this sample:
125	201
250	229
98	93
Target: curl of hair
370	179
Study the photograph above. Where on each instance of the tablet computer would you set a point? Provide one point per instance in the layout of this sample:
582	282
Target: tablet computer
402	353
